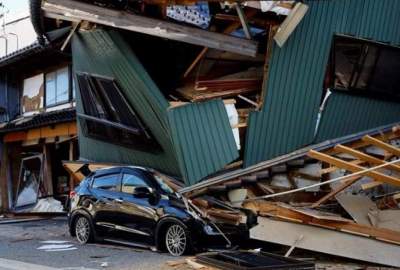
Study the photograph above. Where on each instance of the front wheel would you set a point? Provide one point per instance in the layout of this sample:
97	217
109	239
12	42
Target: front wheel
83	230
177	240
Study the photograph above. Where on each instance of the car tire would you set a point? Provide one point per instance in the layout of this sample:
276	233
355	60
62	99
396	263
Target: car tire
177	240
83	229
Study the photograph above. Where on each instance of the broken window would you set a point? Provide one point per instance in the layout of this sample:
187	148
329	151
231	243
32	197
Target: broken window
365	67
58	87
109	117
32	94
29	181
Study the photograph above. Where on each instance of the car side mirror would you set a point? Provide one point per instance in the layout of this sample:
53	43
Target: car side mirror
142	192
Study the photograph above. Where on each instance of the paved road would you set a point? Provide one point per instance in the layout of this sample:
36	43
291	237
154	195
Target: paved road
46	245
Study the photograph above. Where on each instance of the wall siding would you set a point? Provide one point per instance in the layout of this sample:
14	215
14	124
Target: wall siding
105	53
346	114
197	139
294	84
203	138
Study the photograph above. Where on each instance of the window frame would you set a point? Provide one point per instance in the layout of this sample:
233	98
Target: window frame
149	142
357	70
118	186
70	87
135	173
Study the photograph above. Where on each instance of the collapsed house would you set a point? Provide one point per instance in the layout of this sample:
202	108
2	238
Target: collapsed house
250	103
235	98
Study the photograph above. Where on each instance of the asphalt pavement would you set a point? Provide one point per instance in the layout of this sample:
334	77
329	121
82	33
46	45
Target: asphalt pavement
46	245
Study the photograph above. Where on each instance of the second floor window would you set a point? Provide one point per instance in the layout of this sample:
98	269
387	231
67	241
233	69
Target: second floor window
58	87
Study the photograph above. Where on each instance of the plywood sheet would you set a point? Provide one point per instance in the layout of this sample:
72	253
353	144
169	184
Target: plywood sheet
357	206
327	241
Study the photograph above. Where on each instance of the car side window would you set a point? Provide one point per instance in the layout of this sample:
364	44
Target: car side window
130	181
106	182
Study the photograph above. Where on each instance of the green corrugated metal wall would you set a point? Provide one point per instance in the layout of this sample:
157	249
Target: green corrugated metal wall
105	53
202	137
354	113
199	141
294	85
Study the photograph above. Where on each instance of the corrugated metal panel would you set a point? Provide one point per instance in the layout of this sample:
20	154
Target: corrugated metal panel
203	138
105	53
294	86
197	139
345	114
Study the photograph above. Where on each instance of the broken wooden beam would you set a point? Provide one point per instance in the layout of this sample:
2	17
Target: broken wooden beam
354	168
77	11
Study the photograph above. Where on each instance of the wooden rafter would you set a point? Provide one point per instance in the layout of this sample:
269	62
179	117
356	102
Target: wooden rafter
385	146
363	156
354	168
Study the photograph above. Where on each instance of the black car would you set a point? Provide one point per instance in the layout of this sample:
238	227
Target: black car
135	206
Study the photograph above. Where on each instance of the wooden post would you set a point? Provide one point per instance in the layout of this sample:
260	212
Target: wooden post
47	170
4	178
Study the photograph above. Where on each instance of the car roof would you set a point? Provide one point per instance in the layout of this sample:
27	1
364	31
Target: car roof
105	169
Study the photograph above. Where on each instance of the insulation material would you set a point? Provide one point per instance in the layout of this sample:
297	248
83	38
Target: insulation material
32	96
198	14
233	120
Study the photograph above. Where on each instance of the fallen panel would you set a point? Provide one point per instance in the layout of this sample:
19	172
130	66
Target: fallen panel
357	206
76	11
327	241
203	139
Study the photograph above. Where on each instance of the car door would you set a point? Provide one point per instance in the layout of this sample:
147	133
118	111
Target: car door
105	188
138	215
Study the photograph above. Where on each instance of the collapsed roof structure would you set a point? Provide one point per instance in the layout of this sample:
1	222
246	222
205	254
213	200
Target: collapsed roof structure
173	76
267	97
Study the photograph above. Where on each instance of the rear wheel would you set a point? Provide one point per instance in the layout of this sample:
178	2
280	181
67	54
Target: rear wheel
83	230
177	240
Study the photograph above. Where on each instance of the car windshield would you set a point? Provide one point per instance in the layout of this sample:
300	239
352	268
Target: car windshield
162	184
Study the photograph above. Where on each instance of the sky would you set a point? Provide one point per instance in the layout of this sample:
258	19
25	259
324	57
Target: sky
16	6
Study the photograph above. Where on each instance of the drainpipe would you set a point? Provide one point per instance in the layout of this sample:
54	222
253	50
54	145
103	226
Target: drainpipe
321	110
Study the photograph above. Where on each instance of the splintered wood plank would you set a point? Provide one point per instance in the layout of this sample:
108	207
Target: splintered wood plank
365	157
78	11
327	241
385	146
354	168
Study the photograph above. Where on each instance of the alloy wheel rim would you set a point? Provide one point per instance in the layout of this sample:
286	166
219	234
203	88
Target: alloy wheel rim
82	230
176	240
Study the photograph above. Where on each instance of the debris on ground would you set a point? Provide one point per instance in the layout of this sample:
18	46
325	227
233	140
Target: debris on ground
339	200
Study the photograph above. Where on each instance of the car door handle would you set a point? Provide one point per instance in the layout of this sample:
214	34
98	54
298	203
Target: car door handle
118	200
